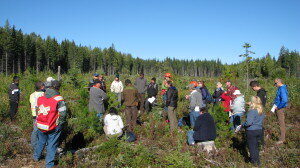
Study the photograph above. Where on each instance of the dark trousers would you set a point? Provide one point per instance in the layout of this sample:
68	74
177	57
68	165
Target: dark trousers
141	97
253	139
13	109
131	117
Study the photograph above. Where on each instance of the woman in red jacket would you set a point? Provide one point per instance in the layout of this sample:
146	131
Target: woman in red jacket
226	101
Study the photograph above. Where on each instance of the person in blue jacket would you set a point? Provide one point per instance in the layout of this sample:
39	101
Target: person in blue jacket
280	104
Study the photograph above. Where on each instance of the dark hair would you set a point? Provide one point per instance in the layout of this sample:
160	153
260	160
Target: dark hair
154	79
127	82
96	81
203	109
38	85
16	79
113	110
55	85
254	83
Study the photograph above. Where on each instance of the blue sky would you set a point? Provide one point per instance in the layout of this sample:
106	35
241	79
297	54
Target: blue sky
184	29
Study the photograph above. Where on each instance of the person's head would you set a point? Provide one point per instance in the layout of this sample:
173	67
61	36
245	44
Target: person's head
142	75
96	76
97	83
169	84
201	84
55	85
191	87
237	93
127	82
101	77
16	79
168	76
113	111
153	80
278	82
39	86
117	78
219	85
203	110
228	83
255	85
256	104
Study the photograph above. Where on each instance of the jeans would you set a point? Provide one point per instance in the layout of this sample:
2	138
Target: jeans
193	117
190	137
173	118
253	138
34	136
235	120
13	109
119	96
52	140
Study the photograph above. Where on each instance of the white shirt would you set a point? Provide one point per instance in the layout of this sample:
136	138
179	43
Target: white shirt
114	124
116	87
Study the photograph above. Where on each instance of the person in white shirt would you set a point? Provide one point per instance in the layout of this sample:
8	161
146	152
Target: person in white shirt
117	88
237	109
113	123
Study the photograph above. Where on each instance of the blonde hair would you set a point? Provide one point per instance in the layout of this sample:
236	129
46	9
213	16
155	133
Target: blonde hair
256	104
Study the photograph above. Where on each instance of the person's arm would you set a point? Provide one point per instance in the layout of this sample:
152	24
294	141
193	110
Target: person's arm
250	118
204	94
103	95
121	86
112	87
106	120
283	99
121	122
62	111
145	87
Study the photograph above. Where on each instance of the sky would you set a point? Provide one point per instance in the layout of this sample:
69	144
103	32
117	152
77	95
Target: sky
182	29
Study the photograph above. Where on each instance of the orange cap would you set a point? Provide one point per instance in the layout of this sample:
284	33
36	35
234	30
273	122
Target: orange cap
194	83
168	75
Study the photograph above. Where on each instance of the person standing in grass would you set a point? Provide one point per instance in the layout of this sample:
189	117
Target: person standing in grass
237	109
130	101
171	103
51	116
141	85
117	88
280	104
39	92
14	97
230	90
253	126
97	96
152	91
196	103
218	92
206	96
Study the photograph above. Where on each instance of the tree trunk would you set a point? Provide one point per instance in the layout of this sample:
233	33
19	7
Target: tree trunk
19	65
25	60
6	61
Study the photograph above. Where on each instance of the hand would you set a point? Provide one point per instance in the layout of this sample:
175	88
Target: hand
238	128
187	96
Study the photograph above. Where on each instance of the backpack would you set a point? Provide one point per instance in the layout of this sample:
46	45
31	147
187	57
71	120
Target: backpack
208	99
130	137
47	117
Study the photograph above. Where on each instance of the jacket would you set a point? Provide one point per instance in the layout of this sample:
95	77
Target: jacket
238	105
33	101
254	121
152	90
61	107
141	84
116	87
217	95
196	100
14	92
262	94
114	124
281	99
97	96
172	97
226	102
130	96
205	129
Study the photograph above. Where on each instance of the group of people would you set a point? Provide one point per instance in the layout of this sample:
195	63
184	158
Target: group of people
49	110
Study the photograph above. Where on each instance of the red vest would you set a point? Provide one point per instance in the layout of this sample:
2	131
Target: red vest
47	117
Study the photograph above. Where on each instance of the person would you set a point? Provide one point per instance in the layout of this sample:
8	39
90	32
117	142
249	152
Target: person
226	101
164	88
253	126
48	82
97	96
218	92
141	85
95	77
230	89
204	131
280	104
237	109
117	88
130	101
206	96
14	97
261	92
196	103
152	91
171	103
51	116
39	92
113	123
103	85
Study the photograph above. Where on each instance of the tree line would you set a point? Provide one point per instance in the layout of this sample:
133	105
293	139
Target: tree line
21	52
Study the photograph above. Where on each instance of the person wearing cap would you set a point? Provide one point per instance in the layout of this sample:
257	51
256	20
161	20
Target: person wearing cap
164	89
39	92
48	82
237	109
97	97
14	97
230	89
171	103
130	101
141	85
206	96
116	87
152	91
218	92
196	103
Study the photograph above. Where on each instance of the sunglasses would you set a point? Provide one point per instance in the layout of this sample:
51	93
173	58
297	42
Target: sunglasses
275	83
